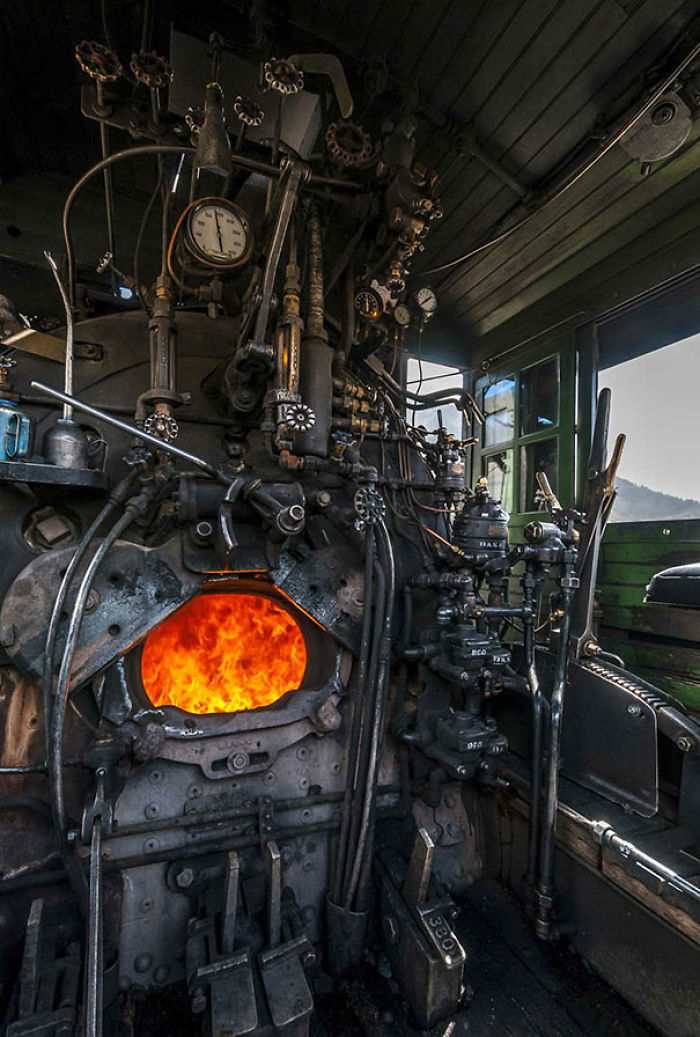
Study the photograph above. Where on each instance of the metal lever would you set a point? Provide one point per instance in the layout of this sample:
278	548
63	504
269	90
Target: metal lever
547	491
228	936
597	505
331	66
94	964
294	176
274	892
415	887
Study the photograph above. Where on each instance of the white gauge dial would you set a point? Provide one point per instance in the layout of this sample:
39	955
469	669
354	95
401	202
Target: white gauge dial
218	233
427	300
402	314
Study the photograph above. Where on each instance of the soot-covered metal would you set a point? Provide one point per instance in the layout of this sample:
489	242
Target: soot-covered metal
258	615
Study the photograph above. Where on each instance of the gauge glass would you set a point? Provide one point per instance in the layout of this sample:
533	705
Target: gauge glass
219	233
427	300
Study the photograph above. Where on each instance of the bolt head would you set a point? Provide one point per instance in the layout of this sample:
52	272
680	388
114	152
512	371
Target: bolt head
184	878
663	113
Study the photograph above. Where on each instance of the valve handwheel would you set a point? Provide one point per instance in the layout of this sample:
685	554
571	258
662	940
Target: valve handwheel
348	143
283	76
151	69
163	426
98	61
248	111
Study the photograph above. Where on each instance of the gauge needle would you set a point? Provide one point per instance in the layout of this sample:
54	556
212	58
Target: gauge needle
218	231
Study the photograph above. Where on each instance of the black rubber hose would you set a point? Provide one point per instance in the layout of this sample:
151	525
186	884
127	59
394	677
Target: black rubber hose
99	167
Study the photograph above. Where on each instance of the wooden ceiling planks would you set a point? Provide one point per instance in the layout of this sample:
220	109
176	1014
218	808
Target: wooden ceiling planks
475	286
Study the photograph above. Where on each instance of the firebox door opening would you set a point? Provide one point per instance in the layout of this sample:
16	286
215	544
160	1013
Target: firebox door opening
224	653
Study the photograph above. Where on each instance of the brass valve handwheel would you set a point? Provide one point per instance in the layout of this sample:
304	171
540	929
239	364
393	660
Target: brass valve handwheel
98	61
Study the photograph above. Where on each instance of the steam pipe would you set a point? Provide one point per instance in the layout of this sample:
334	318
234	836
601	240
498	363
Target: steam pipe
59	710
537	718
364	855
137	433
94	964
109	196
607	836
297	175
366	833
545	889
364	741
68	370
359	697
317	356
117	497
250	164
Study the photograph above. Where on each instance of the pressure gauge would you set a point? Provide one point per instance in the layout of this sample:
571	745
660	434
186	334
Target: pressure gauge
402	314
427	301
368	304
218	233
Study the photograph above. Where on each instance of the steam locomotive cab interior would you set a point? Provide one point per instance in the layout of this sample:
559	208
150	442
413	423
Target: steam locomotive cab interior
350	519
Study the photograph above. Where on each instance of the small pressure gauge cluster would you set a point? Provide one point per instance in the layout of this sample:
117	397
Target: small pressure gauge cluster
417	309
375	301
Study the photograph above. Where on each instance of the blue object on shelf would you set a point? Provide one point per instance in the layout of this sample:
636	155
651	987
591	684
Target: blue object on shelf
15	432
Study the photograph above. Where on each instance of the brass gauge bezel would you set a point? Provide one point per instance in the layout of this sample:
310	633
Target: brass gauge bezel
198	253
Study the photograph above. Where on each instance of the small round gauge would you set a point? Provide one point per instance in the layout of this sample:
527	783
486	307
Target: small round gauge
218	233
402	314
368	304
426	300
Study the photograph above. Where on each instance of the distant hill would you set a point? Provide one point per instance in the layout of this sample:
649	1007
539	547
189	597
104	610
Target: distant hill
638	503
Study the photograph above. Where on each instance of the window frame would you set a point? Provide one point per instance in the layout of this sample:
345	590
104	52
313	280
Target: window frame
562	347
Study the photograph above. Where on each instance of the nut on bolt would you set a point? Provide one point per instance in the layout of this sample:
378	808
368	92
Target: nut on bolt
685	744
184	879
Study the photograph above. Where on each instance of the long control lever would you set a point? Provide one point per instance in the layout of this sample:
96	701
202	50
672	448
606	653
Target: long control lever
598	499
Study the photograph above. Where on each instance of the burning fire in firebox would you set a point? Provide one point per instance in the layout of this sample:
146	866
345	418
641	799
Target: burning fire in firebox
221	653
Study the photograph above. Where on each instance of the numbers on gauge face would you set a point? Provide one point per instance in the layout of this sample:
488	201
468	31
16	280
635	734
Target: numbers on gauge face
402	315
219	234
427	300
368	304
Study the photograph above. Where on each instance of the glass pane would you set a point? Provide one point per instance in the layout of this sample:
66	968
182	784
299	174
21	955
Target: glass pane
498	403
539	397
425	377
654	402
537	457
498	469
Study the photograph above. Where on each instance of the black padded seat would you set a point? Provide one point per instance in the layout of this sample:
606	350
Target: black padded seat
677	586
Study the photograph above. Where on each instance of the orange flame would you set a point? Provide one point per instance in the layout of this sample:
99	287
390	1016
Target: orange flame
221	653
